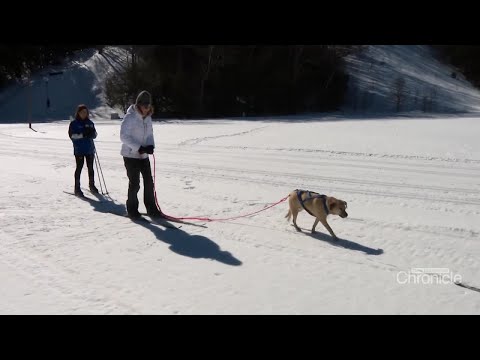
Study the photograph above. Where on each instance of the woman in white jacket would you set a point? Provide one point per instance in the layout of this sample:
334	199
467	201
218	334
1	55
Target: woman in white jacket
137	139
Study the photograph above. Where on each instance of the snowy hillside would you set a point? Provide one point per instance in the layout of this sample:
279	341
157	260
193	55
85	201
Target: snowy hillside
413	198
377	77
381	72
81	80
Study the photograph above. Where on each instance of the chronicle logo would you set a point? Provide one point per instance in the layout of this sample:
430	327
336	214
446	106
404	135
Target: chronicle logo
428	276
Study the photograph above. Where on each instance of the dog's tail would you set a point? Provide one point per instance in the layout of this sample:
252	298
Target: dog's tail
289	215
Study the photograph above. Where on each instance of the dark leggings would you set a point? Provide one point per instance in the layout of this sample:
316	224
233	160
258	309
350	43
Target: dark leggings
80	159
135	167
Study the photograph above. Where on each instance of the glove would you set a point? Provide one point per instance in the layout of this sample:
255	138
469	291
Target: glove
142	150
149	149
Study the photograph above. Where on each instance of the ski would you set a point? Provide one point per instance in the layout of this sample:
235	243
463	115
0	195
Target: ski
167	218
83	197
162	222
134	219
97	194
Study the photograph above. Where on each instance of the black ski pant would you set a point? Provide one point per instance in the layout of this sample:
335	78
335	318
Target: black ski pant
80	160
135	167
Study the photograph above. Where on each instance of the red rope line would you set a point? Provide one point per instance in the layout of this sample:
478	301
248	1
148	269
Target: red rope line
205	218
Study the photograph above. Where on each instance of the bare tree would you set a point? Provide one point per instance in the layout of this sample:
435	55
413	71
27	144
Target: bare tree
364	100
433	98
426	103
214	58
399	92
355	96
297	63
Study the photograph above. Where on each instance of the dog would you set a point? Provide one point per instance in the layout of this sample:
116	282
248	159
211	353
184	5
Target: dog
319	206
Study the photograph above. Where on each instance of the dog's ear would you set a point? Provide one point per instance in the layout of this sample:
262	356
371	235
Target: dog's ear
331	203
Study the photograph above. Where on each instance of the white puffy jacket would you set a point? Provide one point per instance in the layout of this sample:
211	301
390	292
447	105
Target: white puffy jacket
135	132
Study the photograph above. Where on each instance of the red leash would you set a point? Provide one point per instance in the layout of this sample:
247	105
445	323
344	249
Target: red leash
205	218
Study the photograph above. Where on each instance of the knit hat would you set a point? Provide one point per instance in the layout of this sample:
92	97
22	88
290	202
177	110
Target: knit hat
144	98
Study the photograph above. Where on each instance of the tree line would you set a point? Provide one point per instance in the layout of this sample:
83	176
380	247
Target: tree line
212	80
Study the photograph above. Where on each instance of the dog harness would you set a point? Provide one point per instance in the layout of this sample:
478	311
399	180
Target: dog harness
312	195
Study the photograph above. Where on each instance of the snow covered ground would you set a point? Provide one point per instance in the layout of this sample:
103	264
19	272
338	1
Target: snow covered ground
412	187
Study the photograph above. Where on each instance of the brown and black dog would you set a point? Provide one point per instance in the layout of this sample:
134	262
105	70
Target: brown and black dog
319	206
